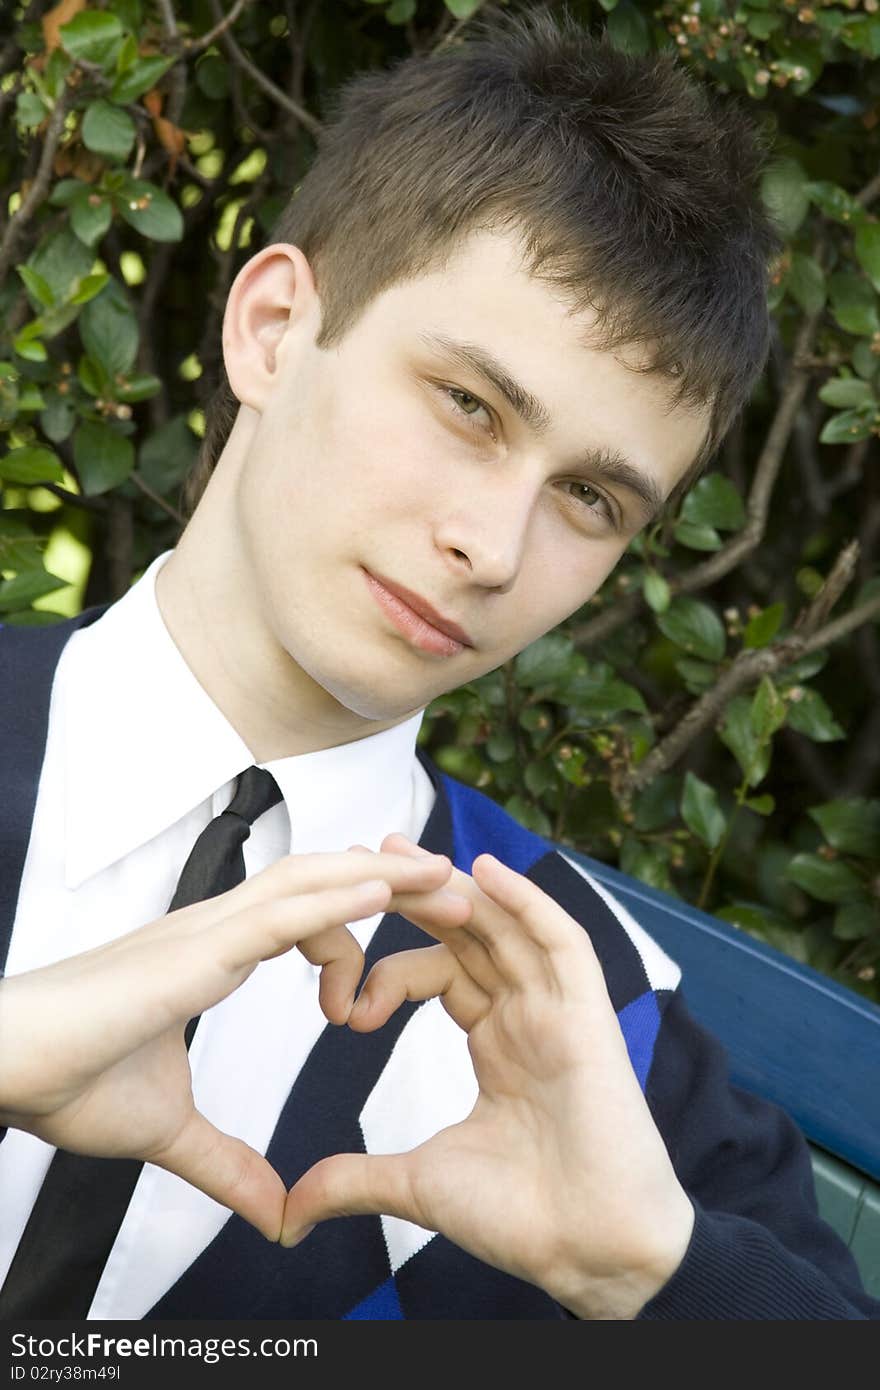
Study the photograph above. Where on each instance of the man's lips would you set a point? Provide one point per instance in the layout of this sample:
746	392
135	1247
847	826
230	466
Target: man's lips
422	609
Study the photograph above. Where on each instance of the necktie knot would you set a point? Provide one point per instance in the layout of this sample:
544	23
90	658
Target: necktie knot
257	791
216	861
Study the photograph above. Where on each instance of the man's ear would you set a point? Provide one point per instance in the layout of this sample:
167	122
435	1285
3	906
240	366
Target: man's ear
272	296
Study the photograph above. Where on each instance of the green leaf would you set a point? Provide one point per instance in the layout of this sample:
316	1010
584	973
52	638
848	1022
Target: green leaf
150	211
694	626
90	216
64	191
29	348
400	11
58	418
846	427
9	397
31	397
165	458
501	747
768	711
108	130
805	282
828	880
700	810
92	377
38	288
764	805
62	260
109	331
539	777
93	35
851	825
810	715
595	690
628	29
853	303
545	661
138	388
648	863
697	537
138	78
656	590
21	591
697	675
784	191
89	287
657	805
715	502
737	734
30	111
104	458
532	817
760	630
31	464
212	77
847	393
835	202
855	922
864	360
868	250
462	9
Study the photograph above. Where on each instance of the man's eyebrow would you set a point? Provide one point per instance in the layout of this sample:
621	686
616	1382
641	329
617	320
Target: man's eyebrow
611	464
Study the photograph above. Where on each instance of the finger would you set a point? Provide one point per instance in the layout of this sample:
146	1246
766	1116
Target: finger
341	959
228	1170
542	919
428	913
311	873
425	973
515	955
350	1185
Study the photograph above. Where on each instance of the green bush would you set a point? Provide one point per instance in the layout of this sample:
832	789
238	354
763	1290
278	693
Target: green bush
710	721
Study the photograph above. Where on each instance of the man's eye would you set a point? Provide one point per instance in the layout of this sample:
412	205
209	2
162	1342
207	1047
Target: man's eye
467	405
601	503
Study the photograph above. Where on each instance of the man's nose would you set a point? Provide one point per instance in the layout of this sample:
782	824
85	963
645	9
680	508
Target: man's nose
487	531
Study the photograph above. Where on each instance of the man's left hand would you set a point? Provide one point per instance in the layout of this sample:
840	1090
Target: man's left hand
559	1175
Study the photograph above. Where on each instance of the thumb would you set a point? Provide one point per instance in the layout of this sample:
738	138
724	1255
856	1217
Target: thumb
228	1170
350	1185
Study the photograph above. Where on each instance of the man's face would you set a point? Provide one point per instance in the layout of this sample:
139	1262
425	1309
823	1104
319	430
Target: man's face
450	446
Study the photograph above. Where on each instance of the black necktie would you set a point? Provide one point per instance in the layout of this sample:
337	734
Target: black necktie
76	1217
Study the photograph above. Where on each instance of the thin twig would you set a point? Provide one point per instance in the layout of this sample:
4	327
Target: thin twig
155	497
36	194
305	118
198	45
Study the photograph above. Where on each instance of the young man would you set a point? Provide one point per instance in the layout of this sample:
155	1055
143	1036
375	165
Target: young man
510	312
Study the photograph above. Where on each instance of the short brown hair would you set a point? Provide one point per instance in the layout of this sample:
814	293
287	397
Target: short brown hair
635	190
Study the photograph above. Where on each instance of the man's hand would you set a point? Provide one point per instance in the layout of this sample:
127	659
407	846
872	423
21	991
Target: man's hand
558	1175
92	1051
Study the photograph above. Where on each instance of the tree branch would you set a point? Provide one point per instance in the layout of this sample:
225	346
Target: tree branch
750	665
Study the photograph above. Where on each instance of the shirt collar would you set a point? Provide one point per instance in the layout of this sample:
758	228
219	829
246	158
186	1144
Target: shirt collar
145	744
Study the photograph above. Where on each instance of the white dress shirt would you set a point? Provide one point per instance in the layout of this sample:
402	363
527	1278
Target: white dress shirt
138	760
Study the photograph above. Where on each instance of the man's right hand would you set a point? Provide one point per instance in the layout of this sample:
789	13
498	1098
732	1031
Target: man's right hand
92	1050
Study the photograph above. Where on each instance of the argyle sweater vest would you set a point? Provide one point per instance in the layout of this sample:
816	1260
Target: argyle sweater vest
358	1267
